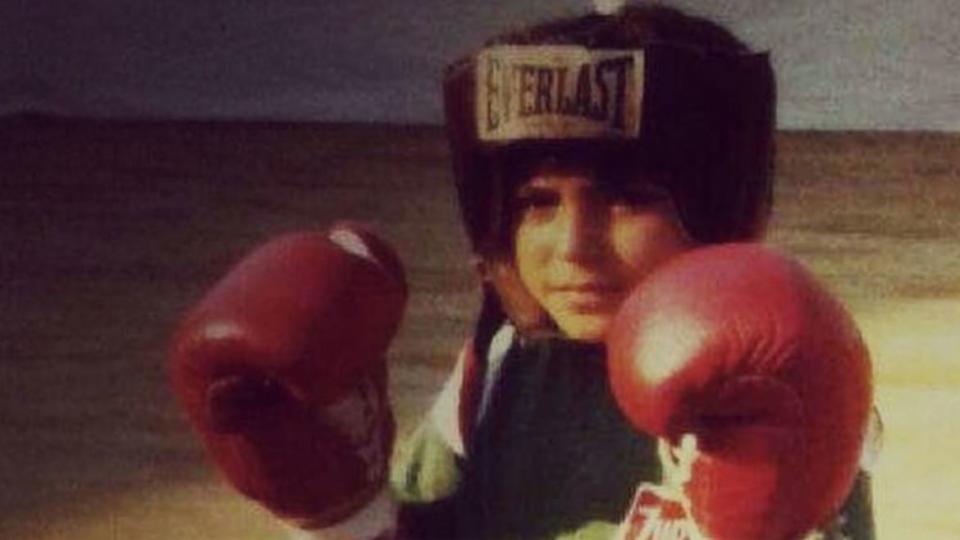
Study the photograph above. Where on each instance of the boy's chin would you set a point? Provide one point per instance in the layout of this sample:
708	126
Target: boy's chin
579	327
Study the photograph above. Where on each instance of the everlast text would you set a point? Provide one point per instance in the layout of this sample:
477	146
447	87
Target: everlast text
558	92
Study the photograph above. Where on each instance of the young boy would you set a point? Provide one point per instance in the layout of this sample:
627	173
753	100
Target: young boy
571	194
587	152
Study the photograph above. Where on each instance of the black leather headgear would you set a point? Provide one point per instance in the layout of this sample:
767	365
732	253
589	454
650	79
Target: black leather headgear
703	116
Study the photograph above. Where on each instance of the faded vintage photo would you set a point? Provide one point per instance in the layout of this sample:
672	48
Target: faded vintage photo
370	271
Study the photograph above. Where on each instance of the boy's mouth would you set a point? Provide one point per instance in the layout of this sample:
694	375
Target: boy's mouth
587	296
599	286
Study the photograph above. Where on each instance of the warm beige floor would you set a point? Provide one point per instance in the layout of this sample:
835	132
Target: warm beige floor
915	346
108	232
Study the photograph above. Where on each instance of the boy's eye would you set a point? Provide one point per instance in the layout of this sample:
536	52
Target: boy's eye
538	200
639	197
535	200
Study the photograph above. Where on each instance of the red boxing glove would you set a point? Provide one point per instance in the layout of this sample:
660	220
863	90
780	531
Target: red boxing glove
281	370
759	386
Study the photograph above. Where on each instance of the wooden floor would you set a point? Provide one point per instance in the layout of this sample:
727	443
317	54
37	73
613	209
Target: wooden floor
108	231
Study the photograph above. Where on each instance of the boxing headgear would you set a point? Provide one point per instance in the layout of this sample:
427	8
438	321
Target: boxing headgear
647	88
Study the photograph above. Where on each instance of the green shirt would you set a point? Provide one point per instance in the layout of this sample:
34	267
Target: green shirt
550	458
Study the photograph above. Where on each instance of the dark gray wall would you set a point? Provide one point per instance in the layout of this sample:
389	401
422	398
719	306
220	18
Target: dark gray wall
871	64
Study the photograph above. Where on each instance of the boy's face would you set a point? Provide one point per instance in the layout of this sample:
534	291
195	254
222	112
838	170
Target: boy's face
580	248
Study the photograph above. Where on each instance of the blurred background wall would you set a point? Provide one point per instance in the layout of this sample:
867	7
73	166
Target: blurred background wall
842	64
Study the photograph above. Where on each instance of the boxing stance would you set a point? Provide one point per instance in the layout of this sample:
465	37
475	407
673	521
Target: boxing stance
589	154
752	376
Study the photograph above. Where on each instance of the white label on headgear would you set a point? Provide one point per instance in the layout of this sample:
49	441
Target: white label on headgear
558	92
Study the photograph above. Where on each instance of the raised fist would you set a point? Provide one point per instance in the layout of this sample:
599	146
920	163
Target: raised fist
759	386
281	369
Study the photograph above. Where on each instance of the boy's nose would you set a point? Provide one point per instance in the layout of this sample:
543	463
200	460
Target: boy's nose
582	233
